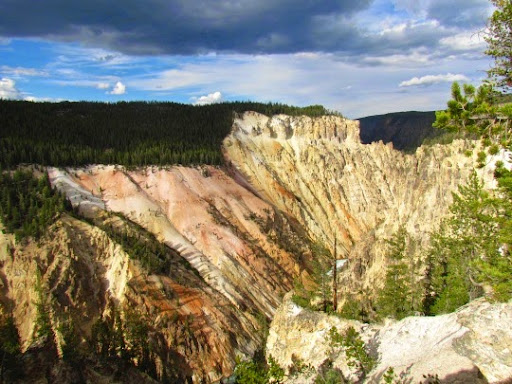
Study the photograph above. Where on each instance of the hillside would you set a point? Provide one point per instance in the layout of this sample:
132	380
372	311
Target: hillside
406	130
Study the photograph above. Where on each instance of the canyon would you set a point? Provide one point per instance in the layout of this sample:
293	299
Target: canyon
236	238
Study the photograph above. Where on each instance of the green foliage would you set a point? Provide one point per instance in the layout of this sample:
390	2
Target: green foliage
11	364
250	372
457	118
471	250
481	158
301	301
389	376
447	287
353	309
354	347
275	373
43	325
70	347
257	372
28	206
329	375
401	294
131	134
494	149
476	113
115	338
299	367
356	352
499	43
140	245
322	282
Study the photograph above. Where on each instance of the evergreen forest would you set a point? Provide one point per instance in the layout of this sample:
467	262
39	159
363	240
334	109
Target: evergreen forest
29	205
125	133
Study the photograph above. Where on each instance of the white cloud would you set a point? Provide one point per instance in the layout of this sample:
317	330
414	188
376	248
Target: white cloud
399	28
300	80
8	89
43	99
103	85
416	58
465	41
119	89
433	79
21	71
211	98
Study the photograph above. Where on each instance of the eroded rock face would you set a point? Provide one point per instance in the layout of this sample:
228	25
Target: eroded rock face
469	346
233	257
194	332
209	219
317	170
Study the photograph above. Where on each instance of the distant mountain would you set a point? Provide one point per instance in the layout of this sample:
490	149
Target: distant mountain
406	130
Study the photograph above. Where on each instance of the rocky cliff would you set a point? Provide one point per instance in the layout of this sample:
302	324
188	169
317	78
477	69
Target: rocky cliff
318	171
224	245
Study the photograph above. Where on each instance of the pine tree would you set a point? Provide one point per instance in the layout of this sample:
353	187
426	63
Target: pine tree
399	296
499	40
465	254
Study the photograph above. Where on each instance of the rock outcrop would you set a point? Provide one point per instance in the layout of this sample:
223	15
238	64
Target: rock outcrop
318	171
471	345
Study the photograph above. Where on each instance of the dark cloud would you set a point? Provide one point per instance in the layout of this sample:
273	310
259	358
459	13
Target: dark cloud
174	26
461	13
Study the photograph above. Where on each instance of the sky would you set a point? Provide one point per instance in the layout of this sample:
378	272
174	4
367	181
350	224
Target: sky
358	57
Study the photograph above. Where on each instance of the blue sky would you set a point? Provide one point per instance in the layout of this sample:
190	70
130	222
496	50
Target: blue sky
358	57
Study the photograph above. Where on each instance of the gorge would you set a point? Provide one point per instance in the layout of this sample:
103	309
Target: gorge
235	239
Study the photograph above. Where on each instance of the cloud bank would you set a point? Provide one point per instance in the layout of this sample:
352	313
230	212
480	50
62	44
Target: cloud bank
433	79
184	27
8	89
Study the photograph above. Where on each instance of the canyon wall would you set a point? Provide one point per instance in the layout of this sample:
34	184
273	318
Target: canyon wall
231	258
318	171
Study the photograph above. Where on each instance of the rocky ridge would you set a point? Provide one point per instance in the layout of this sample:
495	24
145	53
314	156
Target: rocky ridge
471	345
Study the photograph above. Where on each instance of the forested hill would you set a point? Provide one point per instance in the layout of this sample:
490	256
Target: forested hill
127	133
406	130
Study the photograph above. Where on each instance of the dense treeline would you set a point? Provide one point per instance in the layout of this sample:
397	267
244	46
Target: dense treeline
28	205
127	133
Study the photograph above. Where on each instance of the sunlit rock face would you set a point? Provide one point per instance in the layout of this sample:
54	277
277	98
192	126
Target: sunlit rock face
318	171
471	345
206	216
